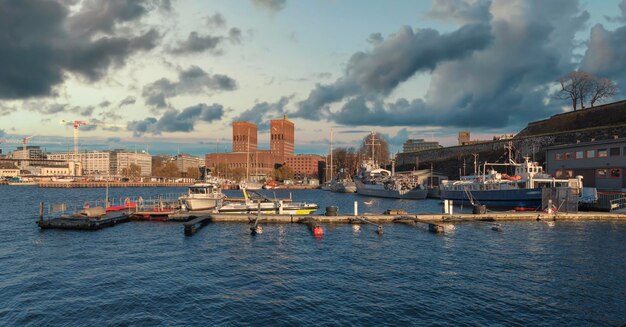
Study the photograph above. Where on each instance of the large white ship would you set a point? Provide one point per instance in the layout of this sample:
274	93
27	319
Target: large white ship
378	182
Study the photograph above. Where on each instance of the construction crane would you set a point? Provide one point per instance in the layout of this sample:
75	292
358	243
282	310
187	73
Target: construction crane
25	141
76	124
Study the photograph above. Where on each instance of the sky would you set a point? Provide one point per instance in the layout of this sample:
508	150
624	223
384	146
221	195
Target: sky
170	76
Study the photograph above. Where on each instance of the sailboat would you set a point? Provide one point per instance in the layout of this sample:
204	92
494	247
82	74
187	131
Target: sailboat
327	185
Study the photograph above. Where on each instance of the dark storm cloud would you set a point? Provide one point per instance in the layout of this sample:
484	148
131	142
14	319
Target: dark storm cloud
393	61
129	100
504	82
41	40
191	81
606	53
461	11
262	113
271	5
177	121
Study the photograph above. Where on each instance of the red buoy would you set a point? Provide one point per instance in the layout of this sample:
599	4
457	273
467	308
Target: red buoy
318	231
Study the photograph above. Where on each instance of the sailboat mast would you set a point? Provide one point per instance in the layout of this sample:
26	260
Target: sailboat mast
331	153
248	156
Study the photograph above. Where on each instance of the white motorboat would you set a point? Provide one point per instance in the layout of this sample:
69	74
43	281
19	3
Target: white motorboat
202	196
255	202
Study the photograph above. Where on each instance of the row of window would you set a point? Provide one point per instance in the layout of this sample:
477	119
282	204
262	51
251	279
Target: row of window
600	173
595	153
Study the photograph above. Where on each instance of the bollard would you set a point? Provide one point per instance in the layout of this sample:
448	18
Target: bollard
280	207
40	211
356	208
451	208
445	206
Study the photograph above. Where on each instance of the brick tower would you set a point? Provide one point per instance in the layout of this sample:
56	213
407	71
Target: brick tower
282	138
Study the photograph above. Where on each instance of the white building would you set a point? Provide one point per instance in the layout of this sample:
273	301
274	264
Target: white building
107	163
185	161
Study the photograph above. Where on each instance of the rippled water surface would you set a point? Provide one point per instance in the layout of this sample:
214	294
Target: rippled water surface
149	273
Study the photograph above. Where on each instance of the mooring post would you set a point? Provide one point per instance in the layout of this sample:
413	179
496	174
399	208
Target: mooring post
280	207
451	208
356	208
41	211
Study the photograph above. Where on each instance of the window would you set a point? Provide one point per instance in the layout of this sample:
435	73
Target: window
601	173
614	152
558	173
568	156
579	154
558	156
602	153
591	153
616	172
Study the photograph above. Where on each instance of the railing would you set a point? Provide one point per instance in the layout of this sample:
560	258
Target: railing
617	204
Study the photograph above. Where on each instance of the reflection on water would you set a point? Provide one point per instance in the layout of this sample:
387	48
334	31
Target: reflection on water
148	273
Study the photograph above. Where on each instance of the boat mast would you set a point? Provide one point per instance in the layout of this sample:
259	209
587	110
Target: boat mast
248	156
331	154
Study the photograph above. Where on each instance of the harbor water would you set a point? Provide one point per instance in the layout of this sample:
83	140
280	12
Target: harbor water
150	274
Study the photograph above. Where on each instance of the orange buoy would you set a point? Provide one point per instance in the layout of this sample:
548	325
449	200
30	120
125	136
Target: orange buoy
318	231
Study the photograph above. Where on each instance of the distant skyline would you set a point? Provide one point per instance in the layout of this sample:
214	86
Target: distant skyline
165	75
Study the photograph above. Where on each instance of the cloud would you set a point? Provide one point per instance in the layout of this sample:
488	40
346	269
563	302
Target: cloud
261	113
2	132
129	100
461	11
392	62
215	21
621	18
114	140
375	38
42	41
196	43
494	77
104	104
606	52
177	121
271	5
191	81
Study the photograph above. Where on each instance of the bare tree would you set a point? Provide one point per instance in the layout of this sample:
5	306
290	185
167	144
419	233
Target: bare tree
602	89
573	87
579	86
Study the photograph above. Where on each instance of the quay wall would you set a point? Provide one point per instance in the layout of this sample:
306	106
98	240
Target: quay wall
105	184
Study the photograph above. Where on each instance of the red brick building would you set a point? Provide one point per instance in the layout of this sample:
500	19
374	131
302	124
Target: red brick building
304	165
282	138
260	164
244	137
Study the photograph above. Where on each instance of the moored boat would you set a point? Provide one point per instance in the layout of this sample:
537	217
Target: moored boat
255	203
378	182
202	196
521	191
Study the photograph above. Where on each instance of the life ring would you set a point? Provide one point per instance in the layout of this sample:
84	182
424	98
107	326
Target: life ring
550	210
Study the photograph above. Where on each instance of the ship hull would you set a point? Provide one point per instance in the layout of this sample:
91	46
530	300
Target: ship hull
519	198
343	187
379	191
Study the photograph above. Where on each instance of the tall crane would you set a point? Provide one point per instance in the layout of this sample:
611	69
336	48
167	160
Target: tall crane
25	141
76	124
